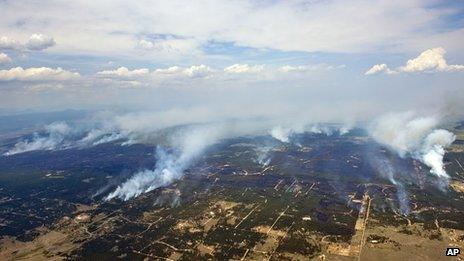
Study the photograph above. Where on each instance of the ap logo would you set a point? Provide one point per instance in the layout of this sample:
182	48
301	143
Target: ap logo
452	251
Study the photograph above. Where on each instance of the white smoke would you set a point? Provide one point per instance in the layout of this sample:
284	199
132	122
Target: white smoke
434	150
100	135
321	129
405	133
170	166
61	135
263	156
167	169
142	127
54	138
281	134
414	136
345	129
284	134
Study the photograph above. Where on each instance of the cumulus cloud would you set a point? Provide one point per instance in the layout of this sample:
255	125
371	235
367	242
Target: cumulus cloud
198	71
379	68
8	43
431	60
173	70
38	42
37	74
123	72
4	58
194	71
244	68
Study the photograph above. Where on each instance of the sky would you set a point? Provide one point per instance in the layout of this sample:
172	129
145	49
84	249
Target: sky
324	60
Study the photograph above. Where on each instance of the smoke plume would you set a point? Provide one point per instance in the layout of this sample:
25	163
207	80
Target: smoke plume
416	137
281	134
171	164
53	138
385	169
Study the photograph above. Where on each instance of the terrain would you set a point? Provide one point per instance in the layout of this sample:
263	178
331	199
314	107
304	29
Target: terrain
321	197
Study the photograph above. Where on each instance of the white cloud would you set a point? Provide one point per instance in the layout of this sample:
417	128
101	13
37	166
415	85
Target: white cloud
9	44
173	70
37	74
289	68
198	71
311	67
379	68
146	45
38	42
194	71
4	58
170	45
123	72
431	60
244	68
327	26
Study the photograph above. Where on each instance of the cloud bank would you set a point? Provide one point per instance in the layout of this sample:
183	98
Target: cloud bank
309	26
37	74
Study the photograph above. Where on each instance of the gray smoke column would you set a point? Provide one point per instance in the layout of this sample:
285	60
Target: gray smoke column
417	137
263	156
187	145
385	168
